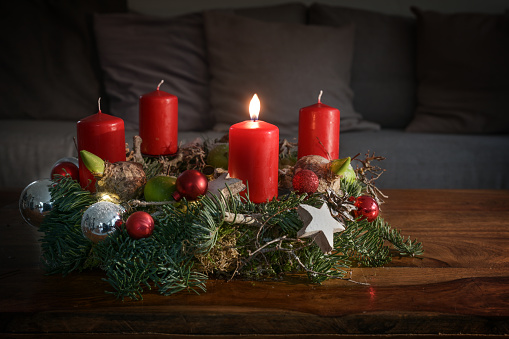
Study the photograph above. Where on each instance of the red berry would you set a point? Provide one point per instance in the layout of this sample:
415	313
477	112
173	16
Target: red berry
305	181
139	225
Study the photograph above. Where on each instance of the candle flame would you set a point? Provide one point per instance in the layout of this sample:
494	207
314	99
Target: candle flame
254	108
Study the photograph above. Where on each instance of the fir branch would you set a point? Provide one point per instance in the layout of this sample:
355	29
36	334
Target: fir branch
271	248
216	234
405	247
323	268
362	242
152	167
64	247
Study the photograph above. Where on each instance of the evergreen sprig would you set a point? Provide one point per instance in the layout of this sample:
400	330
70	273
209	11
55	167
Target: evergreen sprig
166	260
364	242
64	248
193	240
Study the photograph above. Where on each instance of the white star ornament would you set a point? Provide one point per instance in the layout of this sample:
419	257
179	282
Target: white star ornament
319	225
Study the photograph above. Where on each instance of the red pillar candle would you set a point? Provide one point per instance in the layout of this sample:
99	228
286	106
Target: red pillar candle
103	135
319	131
158	123
254	155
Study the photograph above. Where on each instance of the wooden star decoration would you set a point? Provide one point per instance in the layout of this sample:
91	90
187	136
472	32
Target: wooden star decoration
319	225
224	184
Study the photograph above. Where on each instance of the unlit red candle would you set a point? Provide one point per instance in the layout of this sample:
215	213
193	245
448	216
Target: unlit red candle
319	131
103	135
254	155
158	118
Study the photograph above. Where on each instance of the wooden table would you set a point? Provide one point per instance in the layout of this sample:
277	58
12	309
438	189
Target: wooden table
459	286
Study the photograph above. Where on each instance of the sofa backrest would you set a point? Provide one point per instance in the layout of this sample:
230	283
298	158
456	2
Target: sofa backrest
58	78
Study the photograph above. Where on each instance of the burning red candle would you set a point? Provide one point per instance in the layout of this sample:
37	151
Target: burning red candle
319	131
103	135
254	155
159	123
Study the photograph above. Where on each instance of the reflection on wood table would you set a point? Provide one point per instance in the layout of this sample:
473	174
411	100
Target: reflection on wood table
459	286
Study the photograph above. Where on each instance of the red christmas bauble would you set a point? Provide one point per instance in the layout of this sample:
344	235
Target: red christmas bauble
190	185
65	168
305	181
367	208
139	225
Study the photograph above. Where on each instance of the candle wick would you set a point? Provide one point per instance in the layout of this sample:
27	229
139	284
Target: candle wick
160	84
99	104
320	97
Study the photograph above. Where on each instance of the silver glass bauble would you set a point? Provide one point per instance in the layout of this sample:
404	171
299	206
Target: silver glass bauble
72	160
100	220
35	201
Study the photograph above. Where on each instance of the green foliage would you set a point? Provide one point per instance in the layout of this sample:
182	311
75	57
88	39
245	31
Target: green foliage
352	188
152	167
135	265
166	259
193	240
364	242
64	247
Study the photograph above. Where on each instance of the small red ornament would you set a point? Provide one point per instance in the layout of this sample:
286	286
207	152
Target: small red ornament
139	225
367	208
65	168
305	181
190	185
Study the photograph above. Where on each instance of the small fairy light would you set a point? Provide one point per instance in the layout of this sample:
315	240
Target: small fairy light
110	197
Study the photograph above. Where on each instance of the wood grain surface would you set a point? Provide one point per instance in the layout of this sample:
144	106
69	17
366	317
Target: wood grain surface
459	286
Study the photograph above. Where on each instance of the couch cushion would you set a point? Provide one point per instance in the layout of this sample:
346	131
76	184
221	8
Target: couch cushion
137	52
293	12
414	160
285	64
463	72
433	161
383	69
48	62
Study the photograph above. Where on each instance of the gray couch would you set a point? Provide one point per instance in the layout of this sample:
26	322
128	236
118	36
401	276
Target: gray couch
399	95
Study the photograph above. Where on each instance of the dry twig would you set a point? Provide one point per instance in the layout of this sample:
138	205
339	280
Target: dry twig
369	173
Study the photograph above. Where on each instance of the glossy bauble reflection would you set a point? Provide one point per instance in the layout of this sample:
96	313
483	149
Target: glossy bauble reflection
35	201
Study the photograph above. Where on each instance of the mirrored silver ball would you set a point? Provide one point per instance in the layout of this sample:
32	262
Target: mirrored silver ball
100	220
72	160
35	201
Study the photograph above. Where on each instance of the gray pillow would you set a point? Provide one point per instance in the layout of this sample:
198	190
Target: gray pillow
137	52
383	68
463	73
285	64
293	12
